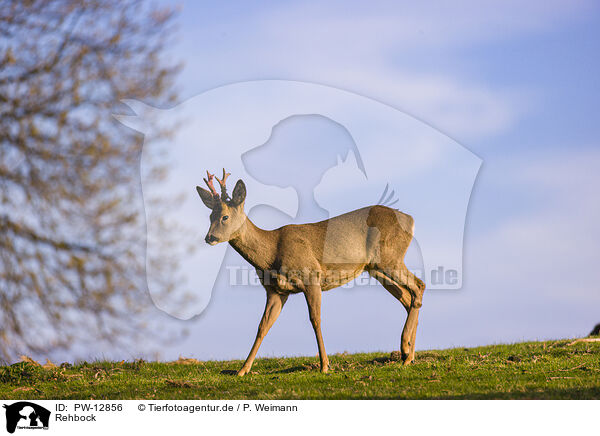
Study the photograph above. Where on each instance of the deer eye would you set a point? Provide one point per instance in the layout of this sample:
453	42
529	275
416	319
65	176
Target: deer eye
225	217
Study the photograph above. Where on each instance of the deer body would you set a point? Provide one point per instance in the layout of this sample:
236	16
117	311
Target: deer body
315	257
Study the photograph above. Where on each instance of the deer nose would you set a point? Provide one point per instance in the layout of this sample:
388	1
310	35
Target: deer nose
210	238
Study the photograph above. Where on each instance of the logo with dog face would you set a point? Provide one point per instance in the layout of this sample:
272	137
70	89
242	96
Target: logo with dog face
26	415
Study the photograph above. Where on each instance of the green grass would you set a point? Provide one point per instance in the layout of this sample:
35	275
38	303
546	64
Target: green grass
551	369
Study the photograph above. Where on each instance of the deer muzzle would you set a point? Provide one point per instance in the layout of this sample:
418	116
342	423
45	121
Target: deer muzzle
211	239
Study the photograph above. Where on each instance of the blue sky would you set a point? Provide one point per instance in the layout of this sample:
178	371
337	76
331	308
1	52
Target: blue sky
517	84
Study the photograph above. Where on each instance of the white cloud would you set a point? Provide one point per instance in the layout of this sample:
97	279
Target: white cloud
460	109
533	275
360	28
368	50
548	254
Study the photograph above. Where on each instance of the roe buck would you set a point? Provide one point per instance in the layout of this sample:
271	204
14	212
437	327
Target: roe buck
315	257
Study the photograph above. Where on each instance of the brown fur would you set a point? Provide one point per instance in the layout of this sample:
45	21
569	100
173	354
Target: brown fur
315	257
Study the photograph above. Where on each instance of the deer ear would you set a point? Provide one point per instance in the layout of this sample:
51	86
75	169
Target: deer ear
207	197
239	194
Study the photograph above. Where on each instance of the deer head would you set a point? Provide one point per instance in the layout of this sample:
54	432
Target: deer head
227	216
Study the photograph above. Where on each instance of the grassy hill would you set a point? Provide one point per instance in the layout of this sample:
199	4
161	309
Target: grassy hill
550	369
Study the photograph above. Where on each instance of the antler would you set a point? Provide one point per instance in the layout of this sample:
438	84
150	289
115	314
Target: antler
210	185
222	182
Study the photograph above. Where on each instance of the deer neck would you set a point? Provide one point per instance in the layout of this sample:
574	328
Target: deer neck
256	245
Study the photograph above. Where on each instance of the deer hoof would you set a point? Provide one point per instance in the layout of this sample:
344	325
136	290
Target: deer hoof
242	372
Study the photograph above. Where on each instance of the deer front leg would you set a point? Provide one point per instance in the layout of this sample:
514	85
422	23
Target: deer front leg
273	308
313	299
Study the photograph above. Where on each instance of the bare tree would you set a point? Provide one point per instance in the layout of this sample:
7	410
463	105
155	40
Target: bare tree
71	225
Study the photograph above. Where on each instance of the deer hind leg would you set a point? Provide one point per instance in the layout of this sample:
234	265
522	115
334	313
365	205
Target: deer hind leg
416	288
413	338
399	288
273	308
409	335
